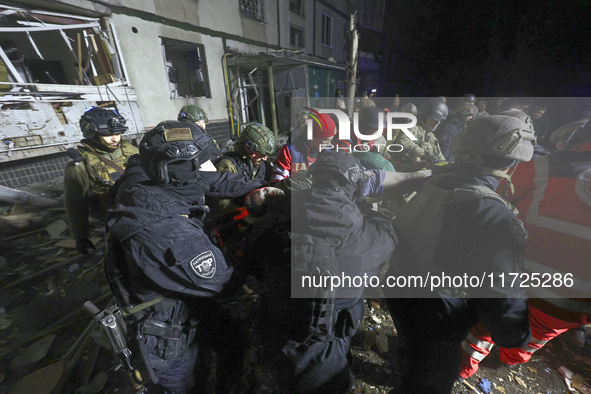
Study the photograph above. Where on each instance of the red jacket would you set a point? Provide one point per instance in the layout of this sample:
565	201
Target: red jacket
292	158
553	195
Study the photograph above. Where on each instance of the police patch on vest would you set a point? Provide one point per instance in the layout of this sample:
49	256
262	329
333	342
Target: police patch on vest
204	265
583	187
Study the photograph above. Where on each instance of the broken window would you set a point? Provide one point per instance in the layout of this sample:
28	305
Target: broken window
53	48
186	69
296	37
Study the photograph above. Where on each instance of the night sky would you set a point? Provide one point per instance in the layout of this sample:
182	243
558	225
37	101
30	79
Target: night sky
492	48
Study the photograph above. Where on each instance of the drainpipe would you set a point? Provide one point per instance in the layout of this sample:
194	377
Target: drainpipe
278	27
272	94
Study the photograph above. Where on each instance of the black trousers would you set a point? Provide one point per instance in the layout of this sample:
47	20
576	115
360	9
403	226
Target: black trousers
217	332
433	331
320	365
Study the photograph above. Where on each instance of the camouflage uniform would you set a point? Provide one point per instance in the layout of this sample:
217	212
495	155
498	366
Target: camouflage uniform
87	184
255	139
426	143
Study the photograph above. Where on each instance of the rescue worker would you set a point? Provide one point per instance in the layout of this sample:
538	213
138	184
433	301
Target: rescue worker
163	265
366	100
195	114
539	150
369	119
410	108
458	225
481	105
553	196
467	98
97	163
448	130
301	153
308	339
255	144
426	147
559	136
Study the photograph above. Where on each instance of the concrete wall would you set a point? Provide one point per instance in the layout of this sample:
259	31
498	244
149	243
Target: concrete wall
144	57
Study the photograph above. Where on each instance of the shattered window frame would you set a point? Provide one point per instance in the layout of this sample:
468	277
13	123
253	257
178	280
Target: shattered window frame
296	37
29	59
186	69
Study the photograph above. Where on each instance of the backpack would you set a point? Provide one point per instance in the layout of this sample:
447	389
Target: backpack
421	221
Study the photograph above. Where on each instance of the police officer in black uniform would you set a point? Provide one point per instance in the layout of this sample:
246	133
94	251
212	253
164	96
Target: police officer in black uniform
162	263
449	129
332	231
474	231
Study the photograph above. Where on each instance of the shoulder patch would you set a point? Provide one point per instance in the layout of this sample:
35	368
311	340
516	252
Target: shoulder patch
204	265
583	187
518	230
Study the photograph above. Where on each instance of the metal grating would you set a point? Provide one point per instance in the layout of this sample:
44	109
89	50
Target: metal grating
253	8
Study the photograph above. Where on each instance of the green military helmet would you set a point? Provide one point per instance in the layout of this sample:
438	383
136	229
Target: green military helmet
410	108
192	113
256	138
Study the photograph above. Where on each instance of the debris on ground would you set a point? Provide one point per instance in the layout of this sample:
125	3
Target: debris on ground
47	341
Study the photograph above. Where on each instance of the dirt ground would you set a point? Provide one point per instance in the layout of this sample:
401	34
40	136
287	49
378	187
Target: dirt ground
44	282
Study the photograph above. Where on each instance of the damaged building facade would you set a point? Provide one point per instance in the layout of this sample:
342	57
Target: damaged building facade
241	61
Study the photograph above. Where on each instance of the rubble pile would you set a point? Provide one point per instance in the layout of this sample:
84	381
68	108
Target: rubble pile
47	339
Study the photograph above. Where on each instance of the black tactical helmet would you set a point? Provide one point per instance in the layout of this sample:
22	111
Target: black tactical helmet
99	121
369	118
173	151
499	136
562	133
467	98
581	134
255	138
192	113
466	109
434	108
341	167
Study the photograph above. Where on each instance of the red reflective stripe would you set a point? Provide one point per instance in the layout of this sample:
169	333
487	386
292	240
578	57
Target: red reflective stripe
243	213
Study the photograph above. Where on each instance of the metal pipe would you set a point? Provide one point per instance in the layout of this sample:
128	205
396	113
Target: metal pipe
229	96
273	104
10	66
47	28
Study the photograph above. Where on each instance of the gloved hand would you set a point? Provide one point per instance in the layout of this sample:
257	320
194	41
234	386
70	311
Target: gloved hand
84	245
429	158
